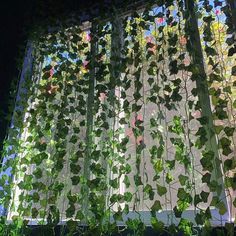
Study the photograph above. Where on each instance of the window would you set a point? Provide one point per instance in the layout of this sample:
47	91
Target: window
116	126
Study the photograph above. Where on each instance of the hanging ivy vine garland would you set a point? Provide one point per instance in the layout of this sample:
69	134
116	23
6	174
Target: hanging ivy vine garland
125	121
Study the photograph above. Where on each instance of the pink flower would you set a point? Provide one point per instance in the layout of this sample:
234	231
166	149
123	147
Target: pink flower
149	39
219	122
51	72
88	37
139	139
85	64
196	114
130	134
160	20
139	117
52	89
152	49
217	11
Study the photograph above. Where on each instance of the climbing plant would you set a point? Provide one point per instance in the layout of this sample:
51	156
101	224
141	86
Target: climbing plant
126	121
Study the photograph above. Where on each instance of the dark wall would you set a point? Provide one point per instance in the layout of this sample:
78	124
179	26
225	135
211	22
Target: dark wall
12	19
17	20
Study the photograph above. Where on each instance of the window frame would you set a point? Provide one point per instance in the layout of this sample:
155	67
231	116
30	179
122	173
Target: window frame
145	215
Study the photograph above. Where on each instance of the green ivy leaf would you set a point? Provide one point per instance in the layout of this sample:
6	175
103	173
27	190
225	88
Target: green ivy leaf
225	145
231	51
58	186
137	180
52	199
136	108
206	178
207	159
43	202
38	173
222	208
199	218
123	121
169	178
75	168
35	197
203	120
184	196
156	206
34	212
75	180
204	195
118	216
71	224
157	225
70	211
177	212
74	139
148	190
37	159
72	198
79	215
173	67
114	183
228	165
229	131
170	164
158	166
225	142
157	152
150	81
126	181
218	129
175	96
135	224
185	226
230	183
197	199
153	99
215	200
161	190
128	196
183	179
210	51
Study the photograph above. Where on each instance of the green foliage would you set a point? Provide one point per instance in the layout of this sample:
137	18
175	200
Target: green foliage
138	113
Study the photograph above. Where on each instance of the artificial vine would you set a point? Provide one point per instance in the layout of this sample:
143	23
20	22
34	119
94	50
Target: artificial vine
126	121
